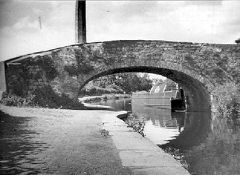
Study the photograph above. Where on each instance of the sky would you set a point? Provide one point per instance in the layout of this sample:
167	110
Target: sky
186	21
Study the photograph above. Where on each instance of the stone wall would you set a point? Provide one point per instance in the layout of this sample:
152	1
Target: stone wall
209	63
35	71
199	68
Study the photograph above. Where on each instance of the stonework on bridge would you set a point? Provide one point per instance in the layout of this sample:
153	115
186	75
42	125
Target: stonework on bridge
199	68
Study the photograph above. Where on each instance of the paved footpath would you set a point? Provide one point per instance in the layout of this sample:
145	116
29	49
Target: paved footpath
135	152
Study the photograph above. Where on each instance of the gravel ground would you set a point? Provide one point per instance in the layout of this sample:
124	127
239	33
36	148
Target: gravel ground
56	141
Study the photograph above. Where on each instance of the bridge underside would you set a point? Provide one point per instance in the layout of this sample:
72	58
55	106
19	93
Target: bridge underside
199	97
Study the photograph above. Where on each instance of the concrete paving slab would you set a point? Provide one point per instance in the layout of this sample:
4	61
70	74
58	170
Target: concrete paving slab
161	171
117	127
132	140
144	158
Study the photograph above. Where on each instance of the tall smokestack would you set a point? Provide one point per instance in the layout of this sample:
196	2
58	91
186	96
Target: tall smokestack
80	21
40	22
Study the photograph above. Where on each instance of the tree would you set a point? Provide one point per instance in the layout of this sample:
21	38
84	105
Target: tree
132	82
237	41
127	82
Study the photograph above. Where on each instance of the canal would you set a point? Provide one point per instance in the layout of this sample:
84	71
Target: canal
166	128
188	136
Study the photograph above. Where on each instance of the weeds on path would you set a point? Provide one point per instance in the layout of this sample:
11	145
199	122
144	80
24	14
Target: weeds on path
137	124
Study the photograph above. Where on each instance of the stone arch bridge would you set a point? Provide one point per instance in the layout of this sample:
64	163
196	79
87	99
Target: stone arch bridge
199	68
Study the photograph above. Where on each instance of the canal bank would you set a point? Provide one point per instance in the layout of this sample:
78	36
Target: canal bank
66	134
139	153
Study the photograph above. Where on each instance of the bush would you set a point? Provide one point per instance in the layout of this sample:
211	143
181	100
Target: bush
43	97
228	102
46	97
95	90
137	124
14	100
237	41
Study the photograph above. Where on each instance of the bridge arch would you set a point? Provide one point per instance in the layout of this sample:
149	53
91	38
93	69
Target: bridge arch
199	97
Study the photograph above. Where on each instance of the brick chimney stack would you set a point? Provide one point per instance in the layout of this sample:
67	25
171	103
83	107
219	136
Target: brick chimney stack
80	21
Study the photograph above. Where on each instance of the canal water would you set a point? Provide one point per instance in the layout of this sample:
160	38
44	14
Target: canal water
166	128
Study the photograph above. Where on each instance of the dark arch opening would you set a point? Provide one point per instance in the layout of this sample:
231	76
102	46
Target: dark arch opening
199	97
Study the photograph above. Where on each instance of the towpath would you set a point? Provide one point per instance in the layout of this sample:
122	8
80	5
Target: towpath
57	141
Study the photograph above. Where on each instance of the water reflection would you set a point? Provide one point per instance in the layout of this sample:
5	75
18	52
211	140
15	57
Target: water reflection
160	126
178	129
166	128
196	128
117	104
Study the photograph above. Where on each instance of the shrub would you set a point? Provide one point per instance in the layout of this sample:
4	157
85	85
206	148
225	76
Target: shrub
46	97
228	102
43	97
95	90
137	124
237	41
14	100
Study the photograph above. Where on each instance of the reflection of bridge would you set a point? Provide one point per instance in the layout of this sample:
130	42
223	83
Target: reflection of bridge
198	68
